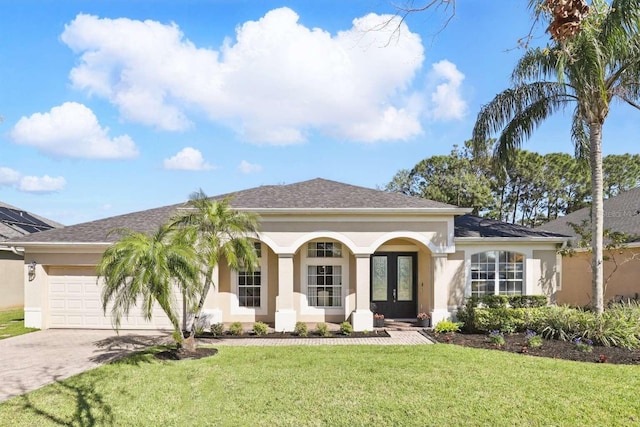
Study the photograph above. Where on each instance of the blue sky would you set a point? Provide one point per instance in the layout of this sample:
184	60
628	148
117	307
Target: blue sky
111	107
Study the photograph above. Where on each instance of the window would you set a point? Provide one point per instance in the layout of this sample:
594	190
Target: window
249	284
497	272
324	250
324	285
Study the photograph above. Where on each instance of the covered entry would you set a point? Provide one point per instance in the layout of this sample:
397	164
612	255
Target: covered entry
393	284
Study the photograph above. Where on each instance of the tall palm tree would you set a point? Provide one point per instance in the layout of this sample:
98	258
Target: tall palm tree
587	71
143	268
217	232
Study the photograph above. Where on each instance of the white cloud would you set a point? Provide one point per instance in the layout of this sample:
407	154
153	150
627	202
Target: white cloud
276	82
447	98
44	184
71	130
187	159
246	167
8	176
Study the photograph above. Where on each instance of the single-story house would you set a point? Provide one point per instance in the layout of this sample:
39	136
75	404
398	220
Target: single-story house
15	223
328	252
621	267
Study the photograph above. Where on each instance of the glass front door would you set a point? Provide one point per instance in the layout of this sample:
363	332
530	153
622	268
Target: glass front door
393	284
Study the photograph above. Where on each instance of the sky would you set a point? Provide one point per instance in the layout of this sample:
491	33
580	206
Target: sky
117	106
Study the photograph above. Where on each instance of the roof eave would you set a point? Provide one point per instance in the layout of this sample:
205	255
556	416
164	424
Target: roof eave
524	239
367	211
45	245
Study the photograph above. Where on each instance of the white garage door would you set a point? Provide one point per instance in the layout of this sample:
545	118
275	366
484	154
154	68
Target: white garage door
74	302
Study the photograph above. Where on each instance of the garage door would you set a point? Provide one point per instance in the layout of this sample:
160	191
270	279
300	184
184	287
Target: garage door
74	302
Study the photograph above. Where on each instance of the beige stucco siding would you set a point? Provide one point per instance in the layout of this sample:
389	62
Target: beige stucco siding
457	278
549	265
576	277
11	280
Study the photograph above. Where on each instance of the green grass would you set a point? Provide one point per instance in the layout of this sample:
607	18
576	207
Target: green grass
12	324
437	385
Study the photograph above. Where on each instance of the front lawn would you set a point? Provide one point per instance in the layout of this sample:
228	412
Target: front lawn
12	324
338	385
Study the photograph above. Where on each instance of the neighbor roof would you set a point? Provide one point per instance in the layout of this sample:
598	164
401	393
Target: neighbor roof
16	222
475	226
621	214
316	194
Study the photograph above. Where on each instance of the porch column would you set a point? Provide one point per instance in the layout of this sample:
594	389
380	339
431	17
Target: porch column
285	313
362	317
440	289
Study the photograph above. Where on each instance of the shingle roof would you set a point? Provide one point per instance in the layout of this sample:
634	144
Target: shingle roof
16	222
621	213
314	194
475	226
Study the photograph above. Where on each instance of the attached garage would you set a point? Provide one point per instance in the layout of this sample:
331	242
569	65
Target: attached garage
74	302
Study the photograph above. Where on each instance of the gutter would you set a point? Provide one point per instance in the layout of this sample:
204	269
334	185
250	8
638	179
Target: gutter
17	251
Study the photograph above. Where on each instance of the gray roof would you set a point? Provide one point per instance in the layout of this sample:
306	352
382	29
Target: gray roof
475	226
314	194
16	223
621	214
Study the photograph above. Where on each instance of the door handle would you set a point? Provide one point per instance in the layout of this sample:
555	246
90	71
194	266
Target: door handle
394	295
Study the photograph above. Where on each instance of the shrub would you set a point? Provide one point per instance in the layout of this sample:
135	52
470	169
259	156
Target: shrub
497	338
508	320
236	329
446	326
495	301
322	329
260	328
217	329
346	328
533	340
301	329
527	301
564	323
583	345
618	326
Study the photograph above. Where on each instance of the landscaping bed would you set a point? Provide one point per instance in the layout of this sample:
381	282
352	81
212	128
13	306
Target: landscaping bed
556	349
288	335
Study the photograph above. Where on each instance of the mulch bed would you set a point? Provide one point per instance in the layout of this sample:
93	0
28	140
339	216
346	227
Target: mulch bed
515	343
182	354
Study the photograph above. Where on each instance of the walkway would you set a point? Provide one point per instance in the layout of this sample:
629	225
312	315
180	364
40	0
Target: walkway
31	361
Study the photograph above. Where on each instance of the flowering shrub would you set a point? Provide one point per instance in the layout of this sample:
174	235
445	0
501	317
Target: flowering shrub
533	339
496	338
423	316
586	346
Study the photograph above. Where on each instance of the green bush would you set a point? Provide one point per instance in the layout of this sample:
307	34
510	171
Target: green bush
301	329
527	301
322	329
508	320
217	329
495	301
564	323
446	326
236	329
260	328
618	326
532	339
346	328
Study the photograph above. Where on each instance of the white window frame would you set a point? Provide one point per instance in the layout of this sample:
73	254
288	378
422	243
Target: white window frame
264	287
306	262
496	290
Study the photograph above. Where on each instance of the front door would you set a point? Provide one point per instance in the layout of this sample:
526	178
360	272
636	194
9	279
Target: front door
393	284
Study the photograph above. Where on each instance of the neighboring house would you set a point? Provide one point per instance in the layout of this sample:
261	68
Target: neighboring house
16	223
621	214
328	252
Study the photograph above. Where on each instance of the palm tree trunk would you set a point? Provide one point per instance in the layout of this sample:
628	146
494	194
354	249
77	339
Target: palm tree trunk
597	216
190	342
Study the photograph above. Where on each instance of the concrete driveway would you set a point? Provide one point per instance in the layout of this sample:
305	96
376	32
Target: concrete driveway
28	362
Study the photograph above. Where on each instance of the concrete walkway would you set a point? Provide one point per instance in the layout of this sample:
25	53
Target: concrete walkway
30	361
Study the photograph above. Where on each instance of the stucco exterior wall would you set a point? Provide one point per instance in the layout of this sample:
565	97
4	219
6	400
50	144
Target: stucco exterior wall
11	280
576	277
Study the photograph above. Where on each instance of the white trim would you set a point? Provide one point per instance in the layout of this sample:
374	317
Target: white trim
305	262
414	235
527	274
234	306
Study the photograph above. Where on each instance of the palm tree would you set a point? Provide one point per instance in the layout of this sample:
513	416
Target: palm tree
588	71
217	232
143	268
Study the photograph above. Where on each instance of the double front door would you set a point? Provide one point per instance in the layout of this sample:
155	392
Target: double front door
393	284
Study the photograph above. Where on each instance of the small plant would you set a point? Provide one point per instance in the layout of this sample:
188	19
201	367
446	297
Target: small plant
260	328
301	329
378	316
378	320
447	326
422	316
346	328
585	346
236	329
217	329
533	340
497	338
602	358
322	329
